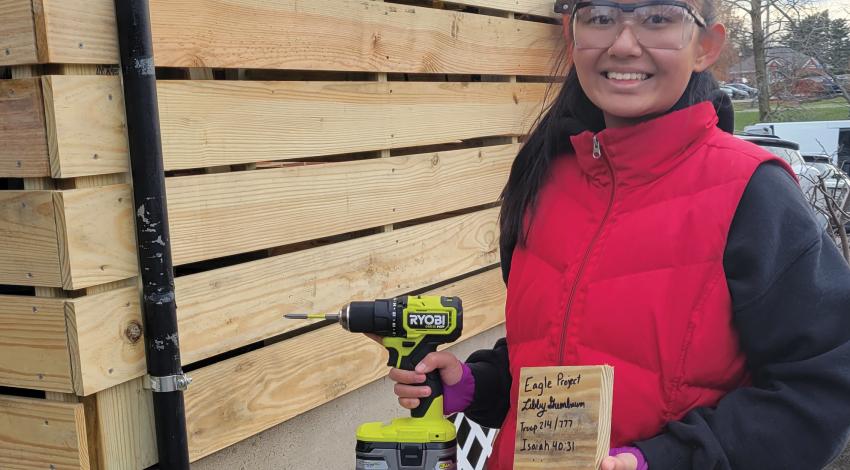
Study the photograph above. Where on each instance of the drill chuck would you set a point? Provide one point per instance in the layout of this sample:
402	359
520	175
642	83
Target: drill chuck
379	317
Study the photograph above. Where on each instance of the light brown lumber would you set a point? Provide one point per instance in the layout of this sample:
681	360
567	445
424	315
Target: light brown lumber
103	174
29	236
226	308
33	344
77	31
41	249
114	415
237	398
42	434
207	123
86	125
97	243
346	35
211	123
523	7
125	436
17	33
23	137
223	214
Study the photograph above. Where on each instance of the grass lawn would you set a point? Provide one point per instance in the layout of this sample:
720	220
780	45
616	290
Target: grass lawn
747	113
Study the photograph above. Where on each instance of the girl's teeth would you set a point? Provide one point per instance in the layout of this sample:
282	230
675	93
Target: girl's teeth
626	76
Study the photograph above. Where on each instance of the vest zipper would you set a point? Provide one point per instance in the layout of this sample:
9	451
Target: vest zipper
597	154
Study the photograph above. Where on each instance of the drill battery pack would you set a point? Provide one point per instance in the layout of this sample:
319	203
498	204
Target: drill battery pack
406	456
426	443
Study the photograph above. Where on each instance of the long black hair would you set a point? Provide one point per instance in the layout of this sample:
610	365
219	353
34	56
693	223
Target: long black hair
570	113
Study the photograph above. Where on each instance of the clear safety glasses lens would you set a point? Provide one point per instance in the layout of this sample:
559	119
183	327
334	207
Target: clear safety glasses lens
656	26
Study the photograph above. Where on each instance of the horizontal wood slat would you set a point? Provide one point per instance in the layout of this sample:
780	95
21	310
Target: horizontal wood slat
108	337
87	127
344	35
33	344
525	7
78	31
42	434
71	239
209	123
17	33
223	214
23	135
97	245
226	308
348	35
29	235
237	398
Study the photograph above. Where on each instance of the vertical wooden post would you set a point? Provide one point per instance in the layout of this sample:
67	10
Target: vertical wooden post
384	153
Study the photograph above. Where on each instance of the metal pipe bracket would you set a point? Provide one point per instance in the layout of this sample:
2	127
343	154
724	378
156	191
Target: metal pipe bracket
168	383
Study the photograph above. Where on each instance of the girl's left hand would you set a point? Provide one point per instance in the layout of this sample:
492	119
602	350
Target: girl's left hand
624	461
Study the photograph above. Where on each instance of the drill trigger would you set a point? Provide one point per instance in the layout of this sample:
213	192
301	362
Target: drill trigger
393	361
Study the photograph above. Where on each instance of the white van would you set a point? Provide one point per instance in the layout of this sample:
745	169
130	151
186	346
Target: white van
815	137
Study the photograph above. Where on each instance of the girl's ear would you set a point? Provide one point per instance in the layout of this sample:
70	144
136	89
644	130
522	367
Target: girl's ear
709	46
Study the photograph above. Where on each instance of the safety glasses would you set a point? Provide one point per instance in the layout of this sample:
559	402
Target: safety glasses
657	24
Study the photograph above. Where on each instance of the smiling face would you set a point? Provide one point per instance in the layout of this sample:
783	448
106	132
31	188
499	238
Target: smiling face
631	83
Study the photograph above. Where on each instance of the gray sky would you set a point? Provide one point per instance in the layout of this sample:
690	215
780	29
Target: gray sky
837	8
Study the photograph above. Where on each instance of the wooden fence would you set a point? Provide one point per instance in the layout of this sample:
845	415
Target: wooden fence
316	151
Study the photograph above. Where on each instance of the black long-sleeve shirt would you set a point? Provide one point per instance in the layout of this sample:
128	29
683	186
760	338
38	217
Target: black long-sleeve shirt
790	290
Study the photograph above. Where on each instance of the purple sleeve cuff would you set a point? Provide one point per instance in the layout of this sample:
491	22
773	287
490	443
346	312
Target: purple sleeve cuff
457	397
641	461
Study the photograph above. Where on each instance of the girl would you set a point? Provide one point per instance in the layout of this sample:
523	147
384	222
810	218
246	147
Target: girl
636	233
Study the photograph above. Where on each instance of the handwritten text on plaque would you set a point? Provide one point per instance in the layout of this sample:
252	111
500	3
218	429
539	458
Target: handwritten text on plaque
563	417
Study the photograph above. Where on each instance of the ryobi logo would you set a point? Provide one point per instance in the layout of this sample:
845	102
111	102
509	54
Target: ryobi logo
428	321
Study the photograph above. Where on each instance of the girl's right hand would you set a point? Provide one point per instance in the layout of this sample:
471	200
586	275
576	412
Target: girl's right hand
451	371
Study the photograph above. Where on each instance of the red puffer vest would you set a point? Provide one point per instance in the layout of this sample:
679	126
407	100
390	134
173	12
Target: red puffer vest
624	266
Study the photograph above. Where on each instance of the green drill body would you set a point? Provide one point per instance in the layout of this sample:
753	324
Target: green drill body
410	328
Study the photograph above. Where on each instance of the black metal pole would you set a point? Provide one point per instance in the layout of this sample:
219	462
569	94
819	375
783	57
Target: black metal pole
162	349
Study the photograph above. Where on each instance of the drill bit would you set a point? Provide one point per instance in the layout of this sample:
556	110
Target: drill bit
313	316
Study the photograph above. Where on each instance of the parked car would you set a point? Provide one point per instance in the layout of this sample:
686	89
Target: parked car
750	91
815	157
785	149
734	93
836	182
790	152
815	137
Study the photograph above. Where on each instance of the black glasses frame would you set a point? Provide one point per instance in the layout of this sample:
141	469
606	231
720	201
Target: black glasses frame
563	7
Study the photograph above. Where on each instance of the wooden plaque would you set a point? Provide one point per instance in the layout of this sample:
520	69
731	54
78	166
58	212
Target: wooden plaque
563	417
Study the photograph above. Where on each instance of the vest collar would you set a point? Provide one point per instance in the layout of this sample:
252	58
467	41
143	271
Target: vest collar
644	152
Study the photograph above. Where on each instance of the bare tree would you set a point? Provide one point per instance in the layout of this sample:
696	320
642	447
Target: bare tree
830	199
826	40
762	30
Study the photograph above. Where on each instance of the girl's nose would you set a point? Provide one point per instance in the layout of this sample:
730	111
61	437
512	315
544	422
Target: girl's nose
626	44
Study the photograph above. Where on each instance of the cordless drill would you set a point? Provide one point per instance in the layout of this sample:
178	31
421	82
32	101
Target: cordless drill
410	328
